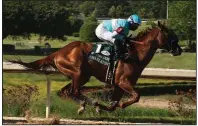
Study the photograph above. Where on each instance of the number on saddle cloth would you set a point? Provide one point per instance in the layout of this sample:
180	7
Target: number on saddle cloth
104	49
102	53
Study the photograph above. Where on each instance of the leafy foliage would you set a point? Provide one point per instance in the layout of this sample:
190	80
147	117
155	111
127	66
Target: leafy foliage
102	8
19	97
75	24
179	107
49	19
18	18
87	7
87	31
182	18
112	11
55	19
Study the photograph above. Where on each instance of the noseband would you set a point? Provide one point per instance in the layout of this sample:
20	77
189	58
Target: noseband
170	43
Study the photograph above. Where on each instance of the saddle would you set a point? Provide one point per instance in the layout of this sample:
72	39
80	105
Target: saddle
104	54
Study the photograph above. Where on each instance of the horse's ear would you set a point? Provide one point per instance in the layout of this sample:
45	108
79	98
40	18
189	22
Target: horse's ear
159	24
164	23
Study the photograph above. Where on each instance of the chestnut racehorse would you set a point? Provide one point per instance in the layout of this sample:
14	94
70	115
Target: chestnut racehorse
72	60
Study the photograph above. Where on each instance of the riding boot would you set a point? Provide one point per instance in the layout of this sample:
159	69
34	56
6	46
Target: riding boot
119	51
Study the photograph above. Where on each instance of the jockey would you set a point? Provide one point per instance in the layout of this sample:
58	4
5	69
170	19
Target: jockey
115	31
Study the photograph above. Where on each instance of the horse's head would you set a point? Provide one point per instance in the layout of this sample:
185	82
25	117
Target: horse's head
169	40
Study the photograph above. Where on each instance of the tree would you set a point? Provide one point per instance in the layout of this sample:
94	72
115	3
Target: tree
75	24
119	11
112	12
102	8
87	31
182	18
18	19
87	7
150	15
157	7
142	12
50	19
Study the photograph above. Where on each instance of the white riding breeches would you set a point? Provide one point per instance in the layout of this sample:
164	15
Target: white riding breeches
104	34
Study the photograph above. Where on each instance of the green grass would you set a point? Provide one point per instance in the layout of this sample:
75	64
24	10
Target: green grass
68	109
33	41
160	81
25	58
185	61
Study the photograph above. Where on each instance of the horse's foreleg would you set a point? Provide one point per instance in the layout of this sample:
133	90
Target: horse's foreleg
134	95
117	95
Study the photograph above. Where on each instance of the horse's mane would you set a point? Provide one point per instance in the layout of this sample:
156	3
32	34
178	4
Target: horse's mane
143	33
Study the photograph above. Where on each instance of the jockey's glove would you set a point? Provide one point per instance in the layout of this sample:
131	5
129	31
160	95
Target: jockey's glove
120	30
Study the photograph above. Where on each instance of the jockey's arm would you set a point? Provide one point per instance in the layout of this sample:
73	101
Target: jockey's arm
119	34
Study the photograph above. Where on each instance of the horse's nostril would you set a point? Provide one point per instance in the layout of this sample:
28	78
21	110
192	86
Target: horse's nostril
181	50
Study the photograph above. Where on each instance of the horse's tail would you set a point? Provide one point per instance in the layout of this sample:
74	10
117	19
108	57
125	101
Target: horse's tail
43	63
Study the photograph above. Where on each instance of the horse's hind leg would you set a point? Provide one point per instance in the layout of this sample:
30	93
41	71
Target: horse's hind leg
77	78
63	67
78	81
65	91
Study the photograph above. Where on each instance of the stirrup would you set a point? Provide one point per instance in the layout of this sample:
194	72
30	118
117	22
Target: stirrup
125	57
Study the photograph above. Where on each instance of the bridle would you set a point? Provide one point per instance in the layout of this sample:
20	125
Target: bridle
164	38
169	43
165	35
141	42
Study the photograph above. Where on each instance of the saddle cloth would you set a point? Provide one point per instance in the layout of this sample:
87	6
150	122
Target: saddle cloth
104	54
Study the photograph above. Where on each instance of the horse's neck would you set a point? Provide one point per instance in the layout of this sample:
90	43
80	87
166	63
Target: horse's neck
146	52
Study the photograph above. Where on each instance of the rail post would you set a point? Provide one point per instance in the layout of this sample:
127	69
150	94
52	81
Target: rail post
48	97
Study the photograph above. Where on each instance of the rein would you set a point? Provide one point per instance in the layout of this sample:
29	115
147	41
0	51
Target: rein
137	42
141	42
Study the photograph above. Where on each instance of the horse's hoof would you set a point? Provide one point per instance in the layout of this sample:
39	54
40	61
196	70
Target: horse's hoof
121	105
114	103
98	109
82	107
82	103
81	110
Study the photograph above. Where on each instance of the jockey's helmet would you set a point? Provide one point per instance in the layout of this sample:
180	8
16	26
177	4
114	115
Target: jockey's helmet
134	19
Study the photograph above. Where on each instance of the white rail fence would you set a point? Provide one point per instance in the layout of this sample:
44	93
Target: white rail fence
153	73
